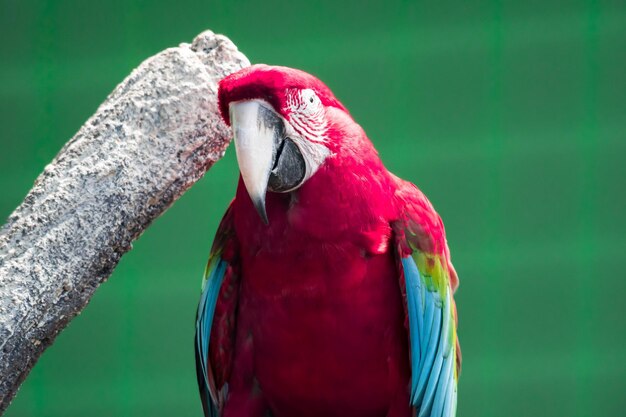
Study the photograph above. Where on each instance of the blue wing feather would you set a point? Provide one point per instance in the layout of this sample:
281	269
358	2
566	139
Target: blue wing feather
414	305
204	320
430	361
433	383
443	387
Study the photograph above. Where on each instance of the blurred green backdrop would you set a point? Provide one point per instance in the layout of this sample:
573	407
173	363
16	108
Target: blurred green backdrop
510	115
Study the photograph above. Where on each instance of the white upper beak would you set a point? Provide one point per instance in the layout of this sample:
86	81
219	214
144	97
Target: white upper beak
256	131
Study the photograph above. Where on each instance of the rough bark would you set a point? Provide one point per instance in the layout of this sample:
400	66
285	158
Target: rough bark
155	135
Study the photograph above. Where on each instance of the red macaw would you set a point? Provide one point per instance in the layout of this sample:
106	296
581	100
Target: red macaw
328	291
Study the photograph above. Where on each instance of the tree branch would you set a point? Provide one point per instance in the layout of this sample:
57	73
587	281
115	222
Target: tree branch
155	135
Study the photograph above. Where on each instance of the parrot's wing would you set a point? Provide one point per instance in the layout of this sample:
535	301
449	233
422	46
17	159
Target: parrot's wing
215	320
428	280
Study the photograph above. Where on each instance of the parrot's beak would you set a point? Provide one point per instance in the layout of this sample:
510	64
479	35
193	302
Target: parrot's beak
257	131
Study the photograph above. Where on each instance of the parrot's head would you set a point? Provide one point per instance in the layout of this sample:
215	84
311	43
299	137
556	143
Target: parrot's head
279	118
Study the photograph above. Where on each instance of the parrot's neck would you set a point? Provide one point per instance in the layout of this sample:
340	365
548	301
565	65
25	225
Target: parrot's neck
350	193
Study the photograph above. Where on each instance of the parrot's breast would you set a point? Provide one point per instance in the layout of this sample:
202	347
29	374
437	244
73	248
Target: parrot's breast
326	326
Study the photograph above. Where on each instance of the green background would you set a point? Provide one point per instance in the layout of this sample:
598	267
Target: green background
510	115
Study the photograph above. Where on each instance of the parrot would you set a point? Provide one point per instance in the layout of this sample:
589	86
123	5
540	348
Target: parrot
329	285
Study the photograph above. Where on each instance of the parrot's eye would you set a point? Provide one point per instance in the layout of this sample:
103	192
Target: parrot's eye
310	101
